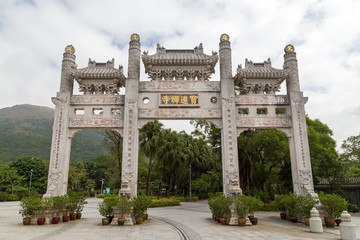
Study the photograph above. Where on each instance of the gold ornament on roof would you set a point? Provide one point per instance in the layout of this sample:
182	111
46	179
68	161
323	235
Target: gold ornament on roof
135	37
289	48
224	37
70	48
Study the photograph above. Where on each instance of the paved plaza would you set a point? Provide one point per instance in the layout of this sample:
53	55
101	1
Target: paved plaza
188	221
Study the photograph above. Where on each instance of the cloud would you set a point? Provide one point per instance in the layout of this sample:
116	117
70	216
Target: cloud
33	35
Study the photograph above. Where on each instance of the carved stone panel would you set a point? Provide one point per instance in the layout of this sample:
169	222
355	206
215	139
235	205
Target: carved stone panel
96	123
261	99
148	86
179	113
97	99
251	122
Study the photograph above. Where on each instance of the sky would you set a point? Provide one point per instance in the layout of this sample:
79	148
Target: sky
325	34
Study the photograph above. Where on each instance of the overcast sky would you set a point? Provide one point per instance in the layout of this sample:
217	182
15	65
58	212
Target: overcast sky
326	36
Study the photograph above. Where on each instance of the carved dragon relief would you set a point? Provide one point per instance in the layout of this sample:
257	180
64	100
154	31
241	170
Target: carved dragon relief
125	189
306	182
54	178
234	183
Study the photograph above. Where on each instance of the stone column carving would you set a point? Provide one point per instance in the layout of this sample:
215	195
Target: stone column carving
60	147
131	133
61	137
230	165
299	144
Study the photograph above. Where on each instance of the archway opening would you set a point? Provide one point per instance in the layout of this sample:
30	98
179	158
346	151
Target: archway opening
264	163
177	157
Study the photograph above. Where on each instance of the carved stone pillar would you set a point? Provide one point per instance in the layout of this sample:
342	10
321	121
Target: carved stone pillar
230	165
299	144
131	133
61	139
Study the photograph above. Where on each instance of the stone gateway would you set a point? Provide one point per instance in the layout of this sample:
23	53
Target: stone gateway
179	89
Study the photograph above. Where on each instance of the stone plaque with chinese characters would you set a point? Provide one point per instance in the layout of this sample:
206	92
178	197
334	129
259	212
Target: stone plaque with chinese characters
179	100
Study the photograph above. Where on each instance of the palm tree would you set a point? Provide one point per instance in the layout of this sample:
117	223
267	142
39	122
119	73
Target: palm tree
169	152
148	144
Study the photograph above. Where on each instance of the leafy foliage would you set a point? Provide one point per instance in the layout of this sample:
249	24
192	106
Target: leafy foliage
333	204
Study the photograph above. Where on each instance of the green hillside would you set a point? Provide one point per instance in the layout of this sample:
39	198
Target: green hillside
25	130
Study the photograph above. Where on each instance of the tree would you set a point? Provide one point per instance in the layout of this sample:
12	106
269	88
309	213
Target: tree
10	179
114	143
77	175
324	158
39	175
262	154
350	155
148	144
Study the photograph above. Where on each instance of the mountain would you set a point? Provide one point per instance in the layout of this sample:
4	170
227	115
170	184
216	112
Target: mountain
25	130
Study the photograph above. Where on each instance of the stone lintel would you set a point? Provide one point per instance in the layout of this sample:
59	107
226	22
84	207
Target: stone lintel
157	86
261	99
97	99
263	122
175	113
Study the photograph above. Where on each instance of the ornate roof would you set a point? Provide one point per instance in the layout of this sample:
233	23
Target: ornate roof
259	77
96	70
100	77
179	64
260	70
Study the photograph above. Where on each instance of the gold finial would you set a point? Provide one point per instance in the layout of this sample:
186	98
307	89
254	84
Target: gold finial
135	37
224	37
289	48
70	48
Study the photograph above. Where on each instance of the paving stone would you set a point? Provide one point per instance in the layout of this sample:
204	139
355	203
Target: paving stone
189	221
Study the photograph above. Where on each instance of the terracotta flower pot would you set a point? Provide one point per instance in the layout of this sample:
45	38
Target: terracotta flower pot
65	218
78	215
253	220
55	220
72	216
40	221
121	221
307	221
283	216
139	220
110	218
242	221
337	221
293	219
329	222
105	221
218	219
26	221
223	221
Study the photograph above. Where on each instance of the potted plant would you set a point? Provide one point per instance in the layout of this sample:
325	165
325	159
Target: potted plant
106	209
280	203
65	208
224	208
103	210
57	208
27	209
293	207
306	204
212	204
124	207
48	210
241	208
72	205
253	204
141	204
80	205
333	206
39	207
